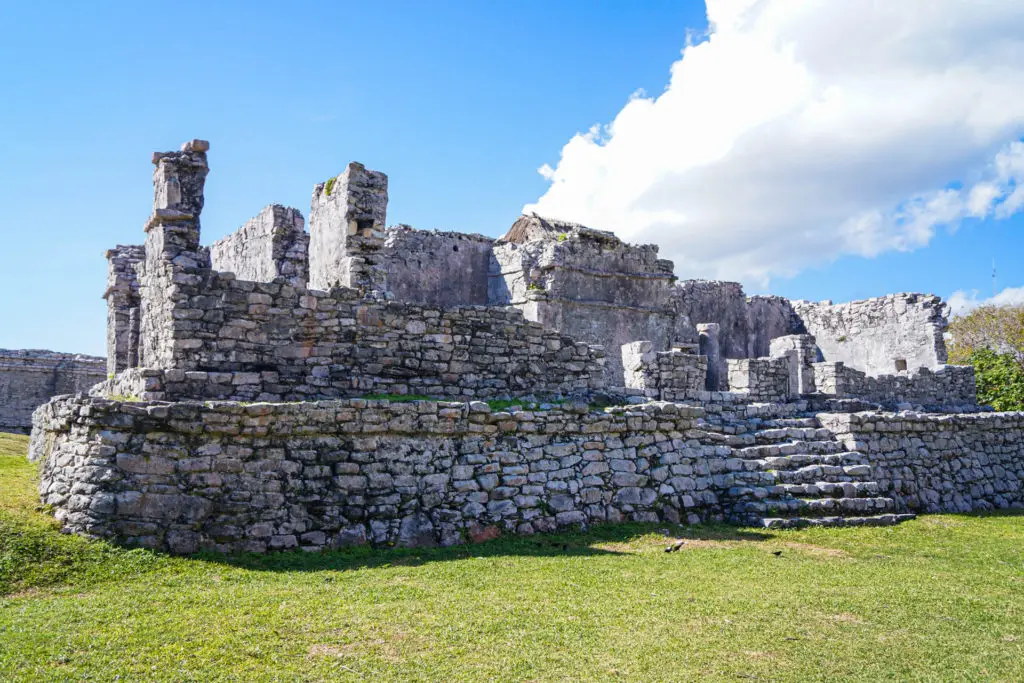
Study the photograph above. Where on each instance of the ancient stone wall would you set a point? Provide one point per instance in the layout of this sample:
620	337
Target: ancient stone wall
435	268
255	477
722	303
236	477
879	336
346	229
941	463
273	244
589	285
664	375
241	340
30	378
949	387
761	379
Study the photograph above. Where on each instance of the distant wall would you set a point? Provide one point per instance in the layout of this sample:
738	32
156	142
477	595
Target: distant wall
434	268
724	303
951	386
28	379
875	335
273	244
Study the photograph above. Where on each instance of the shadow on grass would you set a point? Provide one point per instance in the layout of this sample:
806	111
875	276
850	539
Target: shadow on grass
561	544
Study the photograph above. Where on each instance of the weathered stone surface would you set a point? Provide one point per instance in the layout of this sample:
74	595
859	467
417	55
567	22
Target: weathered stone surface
30	378
883	336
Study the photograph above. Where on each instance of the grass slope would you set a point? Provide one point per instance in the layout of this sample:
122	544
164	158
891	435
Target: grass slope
938	598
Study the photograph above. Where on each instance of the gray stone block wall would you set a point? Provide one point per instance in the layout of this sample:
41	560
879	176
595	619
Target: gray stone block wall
228	477
664	375
762	379
589	285
256	477
940	463
948	387
879	336
249	341
346	229
435	268
30	378
273	244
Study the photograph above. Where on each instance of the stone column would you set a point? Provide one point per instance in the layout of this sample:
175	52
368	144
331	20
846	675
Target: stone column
171	272
708	334
122	296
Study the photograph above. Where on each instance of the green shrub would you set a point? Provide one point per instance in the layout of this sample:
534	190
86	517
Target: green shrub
1000	379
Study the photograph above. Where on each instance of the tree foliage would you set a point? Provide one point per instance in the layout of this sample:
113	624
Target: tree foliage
998	328
991	338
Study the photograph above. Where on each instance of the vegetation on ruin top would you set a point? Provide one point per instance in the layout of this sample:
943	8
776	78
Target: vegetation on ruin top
937	598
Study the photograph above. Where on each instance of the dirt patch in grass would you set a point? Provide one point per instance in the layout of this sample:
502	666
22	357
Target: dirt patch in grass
817	550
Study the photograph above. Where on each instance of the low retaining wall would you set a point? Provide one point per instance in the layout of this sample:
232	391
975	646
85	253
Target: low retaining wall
231	477
940	463
951	386
255	477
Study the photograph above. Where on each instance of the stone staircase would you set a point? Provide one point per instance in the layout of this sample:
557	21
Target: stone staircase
795	473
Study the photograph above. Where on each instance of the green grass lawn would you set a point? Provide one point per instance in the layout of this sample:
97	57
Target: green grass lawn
940	598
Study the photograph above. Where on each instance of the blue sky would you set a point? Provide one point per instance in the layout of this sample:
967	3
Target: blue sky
459	103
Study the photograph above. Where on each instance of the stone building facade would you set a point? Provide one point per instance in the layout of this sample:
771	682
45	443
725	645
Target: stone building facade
245	410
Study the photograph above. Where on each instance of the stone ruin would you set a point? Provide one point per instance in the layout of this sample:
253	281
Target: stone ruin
30	378
251	400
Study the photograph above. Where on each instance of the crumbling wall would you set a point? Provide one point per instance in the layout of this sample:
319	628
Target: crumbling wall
173	252
435	268
589	285
346	229
761	379
273	341
940	463
723	303
879	336
30	378
271	245
664	375
768	318
949	387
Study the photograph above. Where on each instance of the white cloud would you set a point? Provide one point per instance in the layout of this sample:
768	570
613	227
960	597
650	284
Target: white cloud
961	301
801	131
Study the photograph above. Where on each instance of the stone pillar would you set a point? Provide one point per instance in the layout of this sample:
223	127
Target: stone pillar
708	334
640	367
172	269
346	229
802	353
122	296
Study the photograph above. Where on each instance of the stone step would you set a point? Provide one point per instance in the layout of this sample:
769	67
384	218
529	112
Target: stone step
791	448
850	469
800	522
784	434
787	422
833	489
818	507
